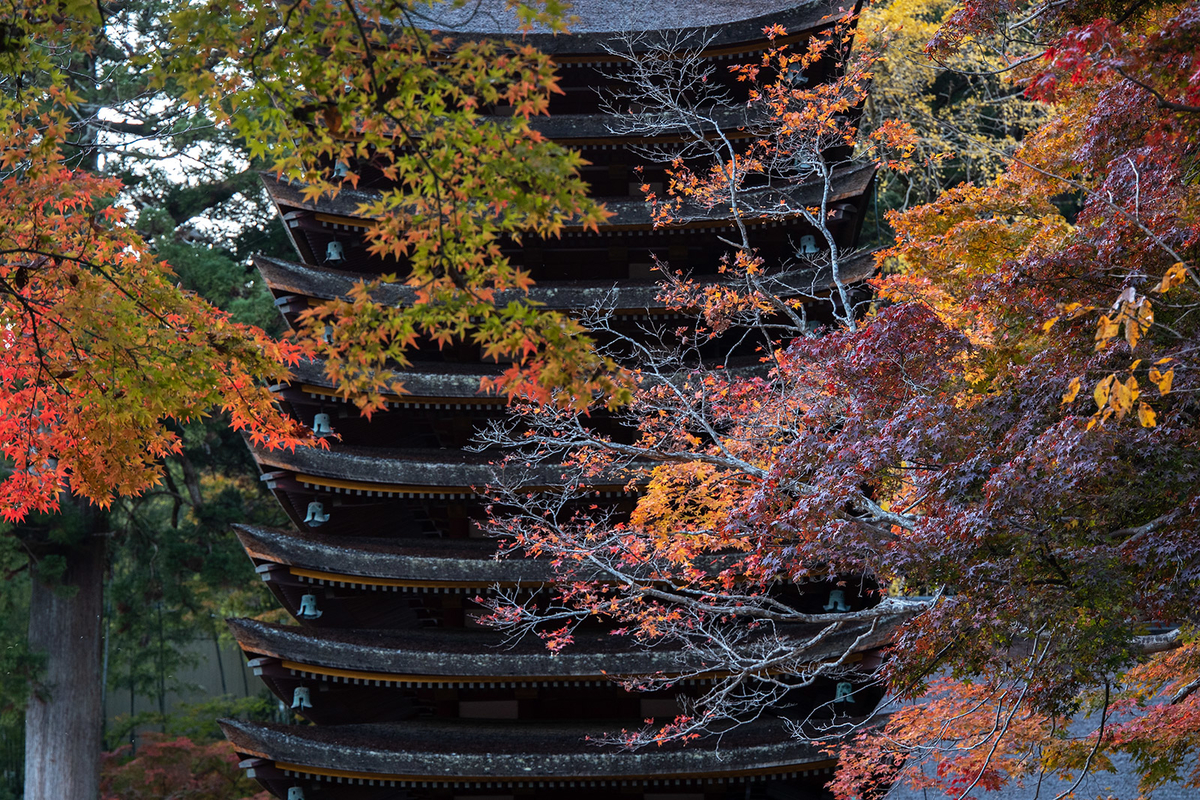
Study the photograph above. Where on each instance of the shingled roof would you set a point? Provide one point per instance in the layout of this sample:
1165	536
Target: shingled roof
630	213
478	654
453	653
421	380
325	284
512	751
607	16
411	467
727	22
432	560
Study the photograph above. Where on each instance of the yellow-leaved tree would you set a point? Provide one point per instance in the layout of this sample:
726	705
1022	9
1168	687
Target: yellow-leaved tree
967	106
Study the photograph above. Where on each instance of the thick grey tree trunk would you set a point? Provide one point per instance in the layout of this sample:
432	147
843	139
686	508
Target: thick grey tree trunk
64	717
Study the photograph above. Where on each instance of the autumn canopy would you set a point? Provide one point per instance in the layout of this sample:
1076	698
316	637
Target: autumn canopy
997	433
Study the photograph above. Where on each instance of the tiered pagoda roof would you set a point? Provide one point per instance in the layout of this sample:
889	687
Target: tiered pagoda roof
630	214
454	656
298	284
498	759
409	695
388	561
733	24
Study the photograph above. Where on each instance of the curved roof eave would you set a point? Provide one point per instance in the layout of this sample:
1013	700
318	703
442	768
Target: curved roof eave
727	25
433	560
326	284
448	381
453	654
633	214
321	283
483	750
406	469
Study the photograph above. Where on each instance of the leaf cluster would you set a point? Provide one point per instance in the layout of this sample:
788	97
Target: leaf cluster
443	124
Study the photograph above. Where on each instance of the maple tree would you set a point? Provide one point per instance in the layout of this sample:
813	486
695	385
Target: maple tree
1083	324
104	351
445	122
967	106
177	768
100	344
104	355
1011	428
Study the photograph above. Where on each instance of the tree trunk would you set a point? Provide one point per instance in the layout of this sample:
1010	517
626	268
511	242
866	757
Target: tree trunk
63	720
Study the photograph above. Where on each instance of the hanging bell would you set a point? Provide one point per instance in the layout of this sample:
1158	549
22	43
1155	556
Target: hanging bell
844	692
341	169
808	245
335	253
317	515
321	425
837	601
295	793
308	609
300	698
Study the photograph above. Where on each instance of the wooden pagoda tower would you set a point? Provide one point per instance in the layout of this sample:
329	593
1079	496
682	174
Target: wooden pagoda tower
408	696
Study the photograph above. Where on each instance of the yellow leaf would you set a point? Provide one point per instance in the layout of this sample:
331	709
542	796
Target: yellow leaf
1074	310
1134	365
1138	323
1105	330
1146	415
1176	274
1162	379
1121	398
1132	332
1048	324
1072	391
1099	419
1101	393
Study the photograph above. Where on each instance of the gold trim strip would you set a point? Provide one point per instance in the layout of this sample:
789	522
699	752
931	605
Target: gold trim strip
342	578
395	488
336	219
410	399
431	679
338	483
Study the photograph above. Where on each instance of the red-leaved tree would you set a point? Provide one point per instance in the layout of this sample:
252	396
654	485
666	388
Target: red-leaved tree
177	769
1074	277
101	353
1007	436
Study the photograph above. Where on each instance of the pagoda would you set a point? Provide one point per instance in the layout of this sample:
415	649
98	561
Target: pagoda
403	692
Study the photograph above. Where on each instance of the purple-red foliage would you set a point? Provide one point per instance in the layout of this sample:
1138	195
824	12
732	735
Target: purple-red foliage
176	769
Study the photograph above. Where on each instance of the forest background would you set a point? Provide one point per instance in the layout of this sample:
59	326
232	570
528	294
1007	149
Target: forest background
174	571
